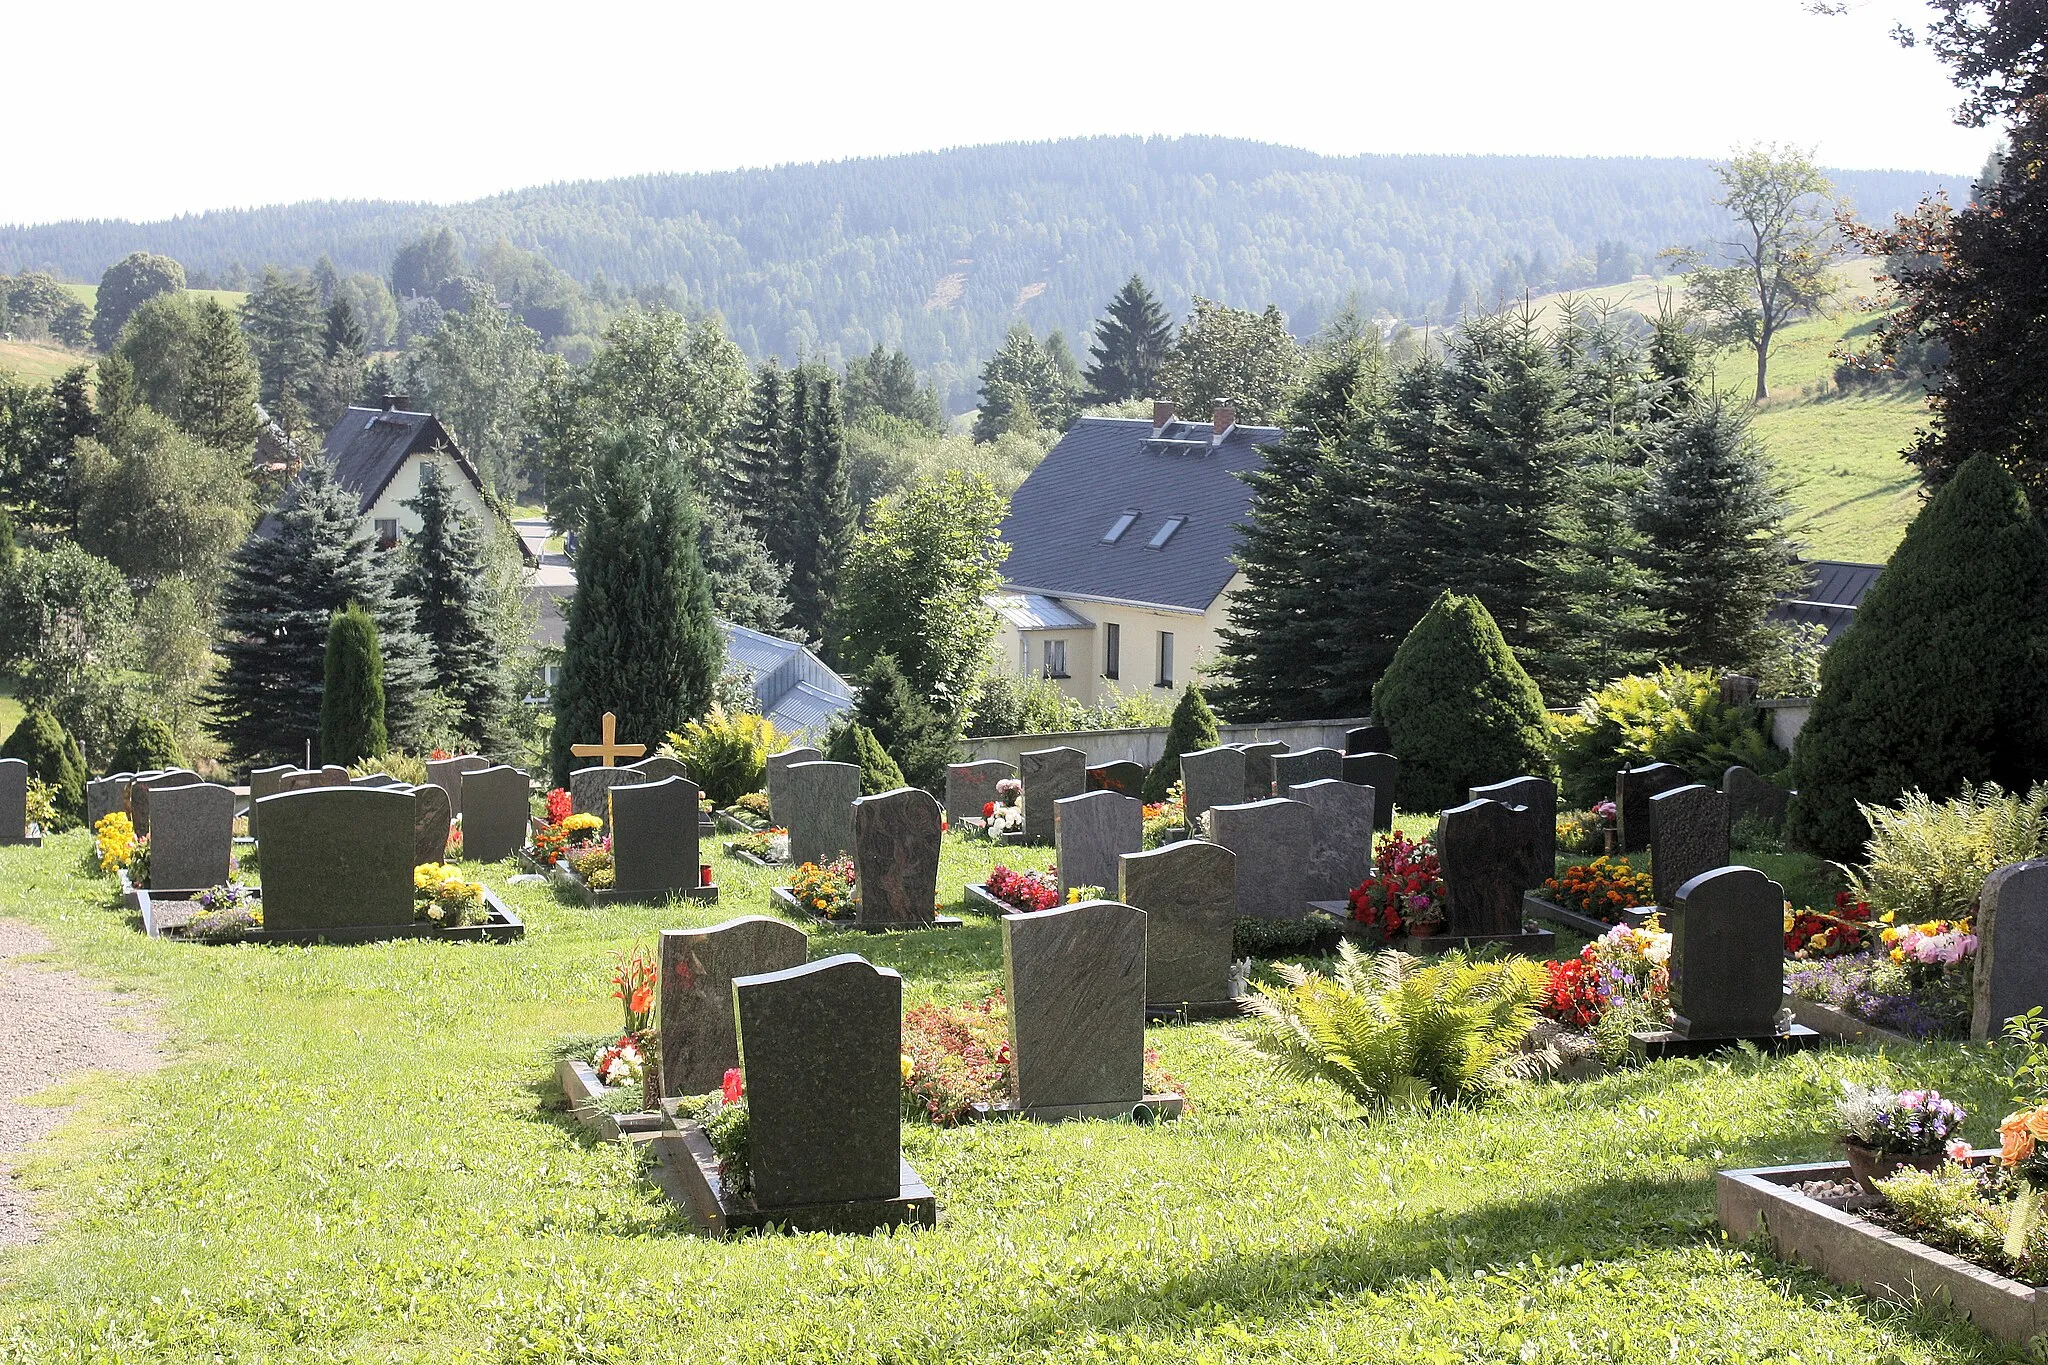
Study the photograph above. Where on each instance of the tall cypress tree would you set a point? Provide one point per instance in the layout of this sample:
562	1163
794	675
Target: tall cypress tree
352	697
641	640
823	524
445	577
1130	343
281	591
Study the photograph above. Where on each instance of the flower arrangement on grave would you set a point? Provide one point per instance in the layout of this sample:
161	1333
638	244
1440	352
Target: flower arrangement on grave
443	896
1602	888
770	845
1005	814
826	891
1166	821
1025	890
115	837
1811	934
1405	894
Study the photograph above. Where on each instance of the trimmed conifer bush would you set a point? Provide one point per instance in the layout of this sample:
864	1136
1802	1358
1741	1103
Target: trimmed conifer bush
856	744
1938	680
52	755
352	704
1192	729
147	746
1461	709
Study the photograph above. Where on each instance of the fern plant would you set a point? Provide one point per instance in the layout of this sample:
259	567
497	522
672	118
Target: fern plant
1395	1032
1927	859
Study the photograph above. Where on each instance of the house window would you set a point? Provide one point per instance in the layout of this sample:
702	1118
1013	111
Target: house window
1118	527
1112	650
1165	533
1165	658
387	533
1055	658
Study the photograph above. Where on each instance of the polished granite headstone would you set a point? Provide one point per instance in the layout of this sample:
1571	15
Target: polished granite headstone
1048	775
698	967
1635	819
1211	777
1090	832
1258	769
970	787
1188	891
1271	840
590	790
1339	836
447	774
191	836
654	838
777	764
1299	767
2011	974
496	815
1537	797
337	857
896	857
816	804
1076	985
1380	771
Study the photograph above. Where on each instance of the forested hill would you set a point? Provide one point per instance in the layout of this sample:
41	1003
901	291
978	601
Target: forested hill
938	252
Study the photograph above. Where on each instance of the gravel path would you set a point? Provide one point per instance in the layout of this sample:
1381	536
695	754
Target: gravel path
53	1023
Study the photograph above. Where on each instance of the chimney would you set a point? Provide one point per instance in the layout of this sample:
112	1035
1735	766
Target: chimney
1162	413
394	402
1226	418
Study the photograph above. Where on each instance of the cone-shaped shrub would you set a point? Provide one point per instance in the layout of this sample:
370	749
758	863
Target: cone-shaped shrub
856	744
53	755
1939	679
1192	729
352	703
1460	707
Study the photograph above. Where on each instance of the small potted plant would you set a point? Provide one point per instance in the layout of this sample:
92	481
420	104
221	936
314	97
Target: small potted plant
1884	1130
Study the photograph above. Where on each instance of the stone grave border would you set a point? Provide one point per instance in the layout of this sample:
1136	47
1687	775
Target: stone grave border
1853	1251
502	927
565	880
1536	943
687	1170
783	900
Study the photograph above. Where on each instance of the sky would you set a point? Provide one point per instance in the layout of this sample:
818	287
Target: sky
153	110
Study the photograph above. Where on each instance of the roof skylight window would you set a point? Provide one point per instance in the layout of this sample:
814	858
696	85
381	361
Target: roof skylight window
1118	527
1165	533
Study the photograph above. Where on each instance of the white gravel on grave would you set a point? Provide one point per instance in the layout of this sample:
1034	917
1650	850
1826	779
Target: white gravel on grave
56	1024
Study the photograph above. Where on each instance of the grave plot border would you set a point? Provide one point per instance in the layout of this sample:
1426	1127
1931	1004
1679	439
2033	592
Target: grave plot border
1550	912
1840	1025
1853	1251
502	927
580	1086
1536	943
565	879
687	1170
782	899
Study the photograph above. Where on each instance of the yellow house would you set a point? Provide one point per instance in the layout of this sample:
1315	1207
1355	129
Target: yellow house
1121	543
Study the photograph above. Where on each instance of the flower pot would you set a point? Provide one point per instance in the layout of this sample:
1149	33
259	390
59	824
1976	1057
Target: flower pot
1868	1165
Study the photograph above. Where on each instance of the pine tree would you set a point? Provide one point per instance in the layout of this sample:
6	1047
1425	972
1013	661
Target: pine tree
641	640
824	513
281	592
352	696
41	741
444	575
1131	342
1712	519
920	740
1937	682
1191	730
852	742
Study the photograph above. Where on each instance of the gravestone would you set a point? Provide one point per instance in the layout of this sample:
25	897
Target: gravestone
1537	797
264	782
430	822
590	790
13	801
1727	955
896	857
698	967
147	783
820	1046
660	768
1271	840
1299	767
1076	985
777	764
1258	769
2011	975
1090	832
192	836
972	786
103	796
1048	775
497	811
654	837
337	857
1380	771
1688	836
1211	777
1188	891
817	807
1340	837
1482	853
1368	739
447	774
1752	796
1635	821
1123	777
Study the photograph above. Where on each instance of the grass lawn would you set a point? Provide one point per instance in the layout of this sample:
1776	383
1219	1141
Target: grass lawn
349	1157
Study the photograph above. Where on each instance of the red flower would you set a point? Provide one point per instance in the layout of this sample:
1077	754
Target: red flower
734	1086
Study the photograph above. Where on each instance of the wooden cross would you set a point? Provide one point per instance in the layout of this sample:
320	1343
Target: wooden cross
611	748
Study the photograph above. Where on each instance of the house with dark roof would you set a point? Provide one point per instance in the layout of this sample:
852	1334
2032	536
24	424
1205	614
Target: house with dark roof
1121	543
378	453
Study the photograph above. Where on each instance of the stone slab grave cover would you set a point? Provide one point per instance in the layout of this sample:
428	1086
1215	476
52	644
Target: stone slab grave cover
817	809
1048	775
2011	975
1124	777
430	823
1368	739
654	839
1483	855
192	836
264	782
1727	966
1258	769
1633	788
1688	836
1092	831
1299	767
896	857
103	796
146	784
1538	796
972	786
1380	771
1752	796
1076	984
497	808
448	773
590	790
1271	840
1340	836
338	857
1211	777
698	967
1188	891
777	765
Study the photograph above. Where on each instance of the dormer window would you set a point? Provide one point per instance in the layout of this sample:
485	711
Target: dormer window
1118	527
1165	532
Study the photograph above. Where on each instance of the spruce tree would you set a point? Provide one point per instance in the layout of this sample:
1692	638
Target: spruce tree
1130	343
40	740
445	577
824	520
641	640
852	742
352	699
921	740
1937	682
281	591
1191	730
